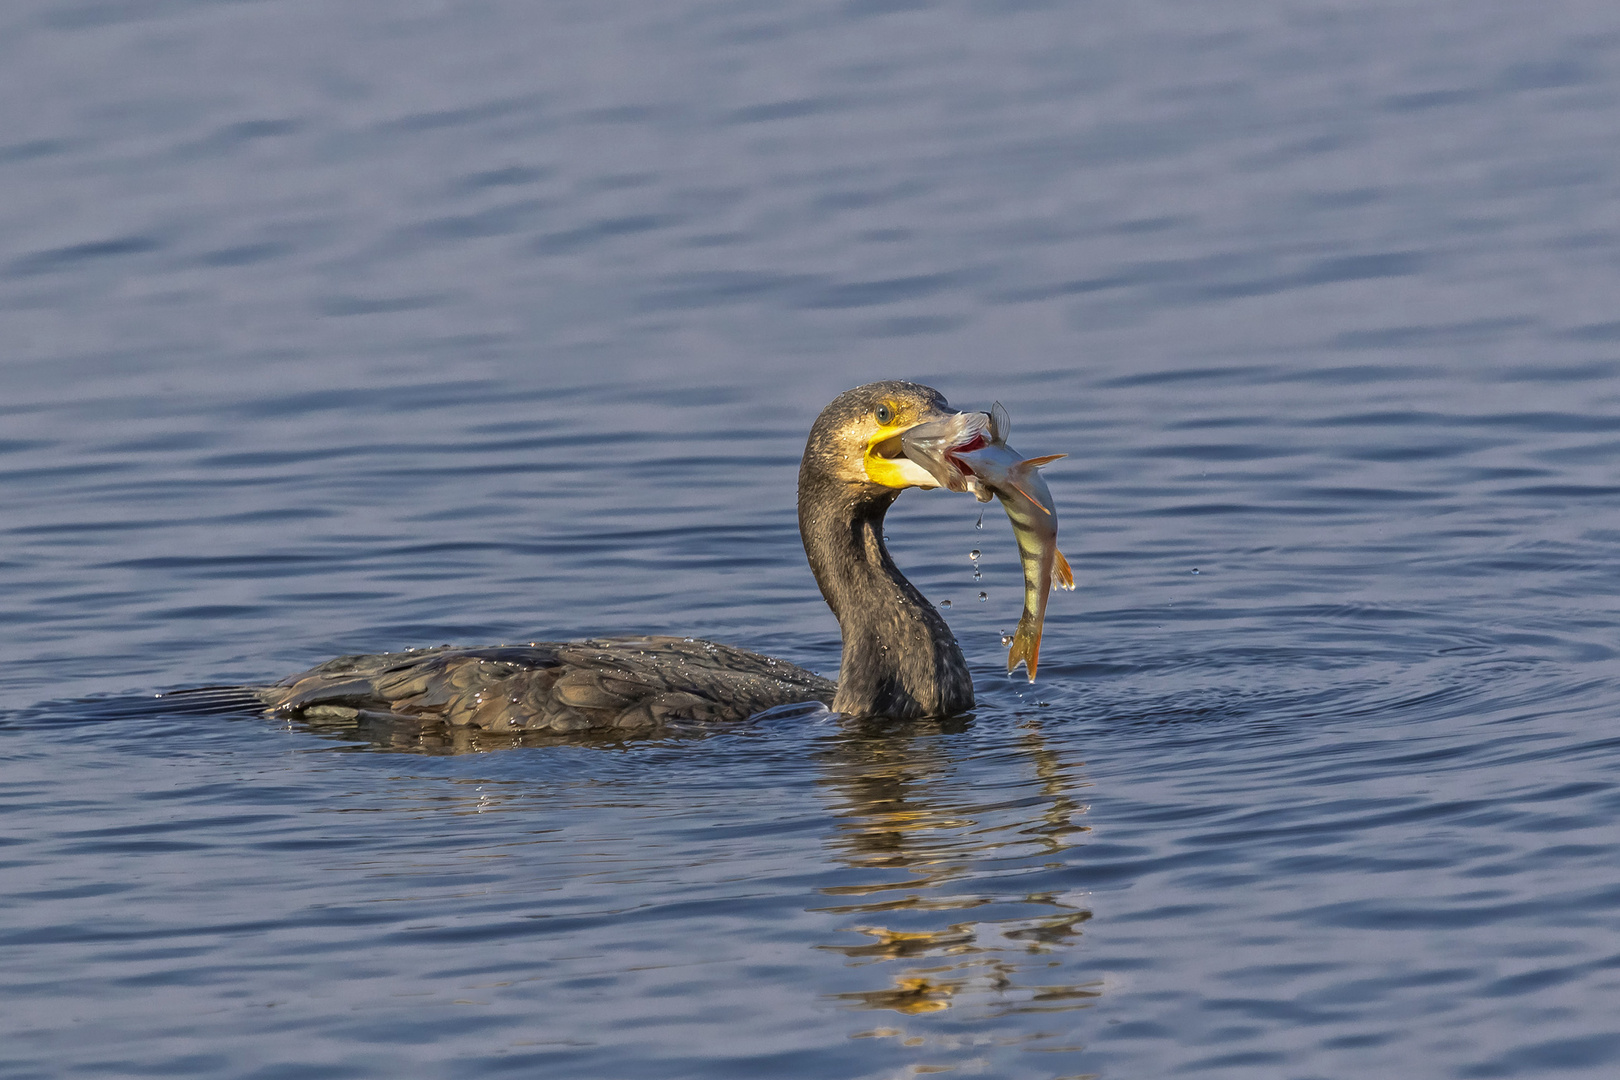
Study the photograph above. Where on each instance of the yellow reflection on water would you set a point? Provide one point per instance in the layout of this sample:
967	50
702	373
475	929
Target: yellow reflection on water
913	995
923	849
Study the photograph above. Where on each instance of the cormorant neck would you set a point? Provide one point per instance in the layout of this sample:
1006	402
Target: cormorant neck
900	659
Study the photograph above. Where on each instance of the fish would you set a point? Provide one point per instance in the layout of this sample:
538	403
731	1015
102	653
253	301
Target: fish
969	452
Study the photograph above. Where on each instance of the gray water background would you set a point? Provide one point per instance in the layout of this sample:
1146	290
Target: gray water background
342	327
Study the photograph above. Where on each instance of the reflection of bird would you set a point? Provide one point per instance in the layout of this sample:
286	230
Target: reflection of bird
937	868
899	660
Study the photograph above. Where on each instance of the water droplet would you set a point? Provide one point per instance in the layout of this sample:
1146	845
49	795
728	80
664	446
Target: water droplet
984	596
977	574
974	554
1006	639
980	523
1195	569
944	603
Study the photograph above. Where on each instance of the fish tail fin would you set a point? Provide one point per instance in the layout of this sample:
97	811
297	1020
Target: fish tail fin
1037	462
1026	646
1061	574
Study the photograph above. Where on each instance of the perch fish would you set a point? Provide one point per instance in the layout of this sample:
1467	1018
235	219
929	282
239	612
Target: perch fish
969	452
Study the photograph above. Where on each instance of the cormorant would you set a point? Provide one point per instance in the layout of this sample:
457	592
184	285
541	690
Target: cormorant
900	659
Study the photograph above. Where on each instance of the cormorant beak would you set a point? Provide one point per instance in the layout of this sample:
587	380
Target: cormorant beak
886	461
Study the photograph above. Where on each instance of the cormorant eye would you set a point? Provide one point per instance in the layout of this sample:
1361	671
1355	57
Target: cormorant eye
884	414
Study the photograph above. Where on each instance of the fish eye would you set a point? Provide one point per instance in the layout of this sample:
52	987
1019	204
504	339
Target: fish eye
883	414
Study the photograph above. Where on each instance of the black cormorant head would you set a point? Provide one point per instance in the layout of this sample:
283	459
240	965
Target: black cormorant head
856	440
899	656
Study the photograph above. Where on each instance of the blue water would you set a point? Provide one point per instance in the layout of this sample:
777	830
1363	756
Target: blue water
333	328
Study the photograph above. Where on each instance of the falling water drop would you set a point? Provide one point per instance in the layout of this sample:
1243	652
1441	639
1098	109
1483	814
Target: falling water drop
974	554
1006	639
980	523
944	603
977	574
984	596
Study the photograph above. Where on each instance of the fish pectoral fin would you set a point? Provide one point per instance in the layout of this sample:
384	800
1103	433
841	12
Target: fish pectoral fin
1037	462
1061	574
1033	499
1000	423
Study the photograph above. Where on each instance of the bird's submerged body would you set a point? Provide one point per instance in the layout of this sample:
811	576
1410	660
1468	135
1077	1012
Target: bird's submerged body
625	685
899	657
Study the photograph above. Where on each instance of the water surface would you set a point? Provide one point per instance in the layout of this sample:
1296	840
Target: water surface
330	329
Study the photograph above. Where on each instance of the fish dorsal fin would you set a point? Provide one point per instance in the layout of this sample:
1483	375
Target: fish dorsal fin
1042	506
1037	462
1061	574
1000	423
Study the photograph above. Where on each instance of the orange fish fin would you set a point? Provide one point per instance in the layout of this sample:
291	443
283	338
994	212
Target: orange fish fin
1026	647
1061	574
1036	462
1032	499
